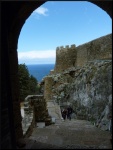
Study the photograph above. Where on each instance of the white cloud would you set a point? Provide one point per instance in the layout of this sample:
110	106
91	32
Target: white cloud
36	61
42	11
33	57
37	54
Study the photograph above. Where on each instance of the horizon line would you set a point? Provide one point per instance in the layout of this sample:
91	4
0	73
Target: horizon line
38	64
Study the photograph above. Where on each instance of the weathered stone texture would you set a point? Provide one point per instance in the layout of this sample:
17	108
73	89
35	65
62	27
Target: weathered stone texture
89	92
100	48
67	57
48	88
35	110
87	85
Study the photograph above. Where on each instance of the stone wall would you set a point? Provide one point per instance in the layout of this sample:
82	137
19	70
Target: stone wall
68	57
86	85
52	107
40	109
28	120
69	62
48	82
35	110
100	48
65	58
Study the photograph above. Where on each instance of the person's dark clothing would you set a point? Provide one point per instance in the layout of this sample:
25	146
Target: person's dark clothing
64	113
69	110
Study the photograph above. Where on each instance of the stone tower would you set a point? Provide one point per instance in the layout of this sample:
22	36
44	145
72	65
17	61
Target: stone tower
65	58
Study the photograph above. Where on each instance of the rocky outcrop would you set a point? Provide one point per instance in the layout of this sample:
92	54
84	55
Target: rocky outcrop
87	87
87	90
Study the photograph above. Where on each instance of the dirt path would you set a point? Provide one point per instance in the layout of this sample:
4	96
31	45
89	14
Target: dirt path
74	134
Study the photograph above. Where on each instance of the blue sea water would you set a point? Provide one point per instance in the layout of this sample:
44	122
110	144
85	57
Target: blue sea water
40	70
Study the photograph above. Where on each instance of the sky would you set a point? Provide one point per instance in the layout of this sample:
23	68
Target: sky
60	23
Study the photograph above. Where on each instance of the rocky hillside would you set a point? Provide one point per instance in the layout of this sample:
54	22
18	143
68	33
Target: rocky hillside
87	89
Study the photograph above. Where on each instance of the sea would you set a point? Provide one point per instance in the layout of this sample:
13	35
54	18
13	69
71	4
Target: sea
39	71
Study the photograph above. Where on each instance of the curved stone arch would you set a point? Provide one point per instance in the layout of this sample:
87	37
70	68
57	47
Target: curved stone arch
14	15
22	13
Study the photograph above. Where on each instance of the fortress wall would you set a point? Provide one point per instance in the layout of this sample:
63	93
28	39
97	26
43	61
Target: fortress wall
81	55
48	88
73	56
65	58
100	48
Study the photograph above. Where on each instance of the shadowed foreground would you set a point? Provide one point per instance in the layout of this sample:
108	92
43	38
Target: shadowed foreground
74	134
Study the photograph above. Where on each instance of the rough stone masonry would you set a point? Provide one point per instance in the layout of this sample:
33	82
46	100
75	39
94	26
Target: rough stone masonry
82	78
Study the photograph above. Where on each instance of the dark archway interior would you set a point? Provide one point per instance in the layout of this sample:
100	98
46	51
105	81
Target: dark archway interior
13	17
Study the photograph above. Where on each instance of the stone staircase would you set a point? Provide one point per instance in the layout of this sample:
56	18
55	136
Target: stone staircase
74	134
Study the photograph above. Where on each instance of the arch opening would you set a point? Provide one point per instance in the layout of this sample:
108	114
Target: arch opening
9	54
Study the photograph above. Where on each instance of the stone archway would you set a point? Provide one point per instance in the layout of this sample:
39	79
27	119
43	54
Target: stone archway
14	15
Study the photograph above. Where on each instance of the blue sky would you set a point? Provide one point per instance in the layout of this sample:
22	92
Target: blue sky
60	23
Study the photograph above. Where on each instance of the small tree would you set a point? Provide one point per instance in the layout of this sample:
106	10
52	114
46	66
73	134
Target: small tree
33	85
27	83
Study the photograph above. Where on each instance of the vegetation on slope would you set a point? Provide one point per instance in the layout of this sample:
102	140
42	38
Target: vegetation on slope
28	84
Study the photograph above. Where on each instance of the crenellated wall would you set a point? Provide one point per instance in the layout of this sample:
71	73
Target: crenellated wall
100	48
73	56
65	58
